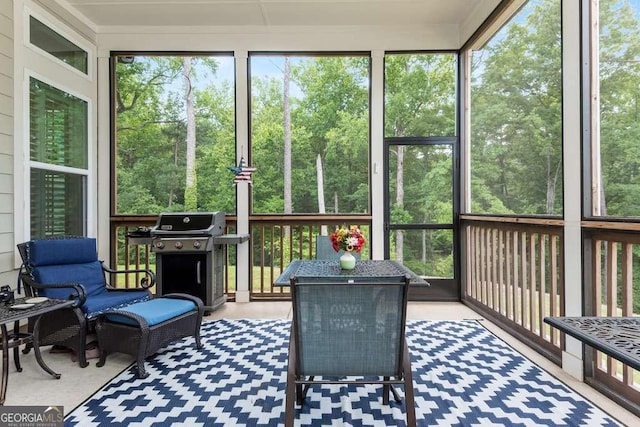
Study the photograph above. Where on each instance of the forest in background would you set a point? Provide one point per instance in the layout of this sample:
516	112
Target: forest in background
516	127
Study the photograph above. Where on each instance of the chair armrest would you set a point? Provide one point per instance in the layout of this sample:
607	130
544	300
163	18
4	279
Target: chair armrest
146	282
78	294
141	321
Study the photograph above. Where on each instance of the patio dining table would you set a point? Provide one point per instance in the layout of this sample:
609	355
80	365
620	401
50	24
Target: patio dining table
331	269
22	309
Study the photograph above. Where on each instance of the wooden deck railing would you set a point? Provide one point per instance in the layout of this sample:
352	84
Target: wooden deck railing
125	254
614	263
514	273
133	253
276	240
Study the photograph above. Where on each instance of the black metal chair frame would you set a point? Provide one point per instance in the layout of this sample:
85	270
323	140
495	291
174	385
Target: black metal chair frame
69	327
298	384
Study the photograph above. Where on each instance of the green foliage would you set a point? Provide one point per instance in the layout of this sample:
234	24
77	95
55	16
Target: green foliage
516	120
329	118
619	74
399	215
151	134
419	100
190	199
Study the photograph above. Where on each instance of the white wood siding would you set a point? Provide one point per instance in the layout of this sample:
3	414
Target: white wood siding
7	274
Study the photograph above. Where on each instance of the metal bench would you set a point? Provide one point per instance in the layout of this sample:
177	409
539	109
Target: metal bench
618	337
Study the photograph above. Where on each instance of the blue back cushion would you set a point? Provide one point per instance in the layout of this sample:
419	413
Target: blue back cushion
66	261
62	251
88	275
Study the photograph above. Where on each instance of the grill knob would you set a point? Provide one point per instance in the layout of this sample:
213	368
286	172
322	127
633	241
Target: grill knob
197	244
160	245
178	245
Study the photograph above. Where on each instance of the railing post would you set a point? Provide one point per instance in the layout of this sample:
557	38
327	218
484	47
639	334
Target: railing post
243	262
572	166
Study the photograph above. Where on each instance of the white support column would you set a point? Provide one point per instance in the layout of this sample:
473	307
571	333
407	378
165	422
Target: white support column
572	357
243	265
377	154
103	154
465	134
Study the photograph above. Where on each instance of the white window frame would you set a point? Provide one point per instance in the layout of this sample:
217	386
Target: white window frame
31	61
26	190
64	32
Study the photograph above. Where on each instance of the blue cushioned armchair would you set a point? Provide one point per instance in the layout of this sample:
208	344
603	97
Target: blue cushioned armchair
68	268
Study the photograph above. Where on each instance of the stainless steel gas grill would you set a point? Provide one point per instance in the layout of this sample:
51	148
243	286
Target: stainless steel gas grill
190	250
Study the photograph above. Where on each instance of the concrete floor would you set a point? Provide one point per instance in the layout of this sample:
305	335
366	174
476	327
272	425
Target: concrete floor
33	386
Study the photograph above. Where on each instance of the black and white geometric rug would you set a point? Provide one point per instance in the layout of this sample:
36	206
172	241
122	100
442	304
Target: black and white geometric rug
463	376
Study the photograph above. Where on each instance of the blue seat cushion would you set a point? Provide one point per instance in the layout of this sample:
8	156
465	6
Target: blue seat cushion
87	274
155	311
62	251
112	300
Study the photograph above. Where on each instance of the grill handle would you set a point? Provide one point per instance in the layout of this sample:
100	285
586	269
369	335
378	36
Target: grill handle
198	272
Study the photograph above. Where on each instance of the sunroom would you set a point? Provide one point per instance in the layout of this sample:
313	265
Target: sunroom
487	145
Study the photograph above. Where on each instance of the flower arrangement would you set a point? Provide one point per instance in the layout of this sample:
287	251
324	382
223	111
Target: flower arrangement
348	239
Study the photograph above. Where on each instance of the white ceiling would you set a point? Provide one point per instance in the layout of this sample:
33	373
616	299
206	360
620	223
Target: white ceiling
271	13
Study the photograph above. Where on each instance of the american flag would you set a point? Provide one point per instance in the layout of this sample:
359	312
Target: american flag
242	172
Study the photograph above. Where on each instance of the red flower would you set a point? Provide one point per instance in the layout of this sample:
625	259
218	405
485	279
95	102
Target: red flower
348	239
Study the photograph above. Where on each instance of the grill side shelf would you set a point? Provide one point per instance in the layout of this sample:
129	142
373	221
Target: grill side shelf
230	239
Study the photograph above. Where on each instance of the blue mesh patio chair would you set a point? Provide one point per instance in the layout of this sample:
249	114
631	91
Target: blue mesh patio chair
68	268
349	332
324	249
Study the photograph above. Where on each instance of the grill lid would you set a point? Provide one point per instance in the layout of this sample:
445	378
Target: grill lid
189	223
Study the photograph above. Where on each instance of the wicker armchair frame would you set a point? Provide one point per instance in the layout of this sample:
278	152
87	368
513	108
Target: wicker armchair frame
142	340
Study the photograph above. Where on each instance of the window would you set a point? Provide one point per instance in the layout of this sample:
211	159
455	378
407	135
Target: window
516	116
174	133
58	154
310	134
420	95
615	148
53	43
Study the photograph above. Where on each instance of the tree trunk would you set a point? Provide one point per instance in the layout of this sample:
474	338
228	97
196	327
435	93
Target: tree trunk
288	208
286	81
552	182
191	188
550	188
424	247
320	179
175	163
400	201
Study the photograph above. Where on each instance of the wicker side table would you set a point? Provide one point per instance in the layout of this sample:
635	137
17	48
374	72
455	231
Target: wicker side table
143	328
